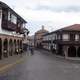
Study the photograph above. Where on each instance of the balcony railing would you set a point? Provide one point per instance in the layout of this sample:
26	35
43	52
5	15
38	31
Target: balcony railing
12	26
7	25
66	41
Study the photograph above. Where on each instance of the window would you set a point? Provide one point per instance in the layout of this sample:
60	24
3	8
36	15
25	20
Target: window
4	15
53	37
65	37
76	37
9	16
72	37
13	19
58	36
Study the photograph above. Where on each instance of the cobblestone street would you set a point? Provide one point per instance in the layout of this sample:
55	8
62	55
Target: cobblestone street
43	66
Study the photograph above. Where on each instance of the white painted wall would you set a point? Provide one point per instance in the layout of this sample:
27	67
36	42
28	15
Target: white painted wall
65	36
76	37
54	36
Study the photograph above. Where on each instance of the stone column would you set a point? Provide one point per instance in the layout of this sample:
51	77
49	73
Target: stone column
65	48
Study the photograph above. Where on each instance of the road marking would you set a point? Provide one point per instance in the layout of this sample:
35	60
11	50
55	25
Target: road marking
2	69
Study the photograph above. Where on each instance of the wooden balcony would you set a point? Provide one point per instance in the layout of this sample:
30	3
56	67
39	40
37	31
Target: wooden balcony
11	26
67	42
4	24
7	25
19	30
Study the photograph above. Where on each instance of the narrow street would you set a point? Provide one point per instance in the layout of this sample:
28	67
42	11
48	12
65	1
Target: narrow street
43	66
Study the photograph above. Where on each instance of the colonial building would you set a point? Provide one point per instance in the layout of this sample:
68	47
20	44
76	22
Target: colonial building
11	31
39	37
48	41
31	40
66	41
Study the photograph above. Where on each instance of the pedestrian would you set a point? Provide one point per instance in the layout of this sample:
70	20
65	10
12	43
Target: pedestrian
31	50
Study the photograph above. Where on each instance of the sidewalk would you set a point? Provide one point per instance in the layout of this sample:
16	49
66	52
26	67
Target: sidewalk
73	59
10	61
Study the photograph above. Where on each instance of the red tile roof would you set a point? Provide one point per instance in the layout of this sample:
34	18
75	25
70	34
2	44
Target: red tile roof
75	27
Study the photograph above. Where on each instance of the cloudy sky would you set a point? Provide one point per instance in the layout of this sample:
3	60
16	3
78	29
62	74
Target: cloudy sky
53	14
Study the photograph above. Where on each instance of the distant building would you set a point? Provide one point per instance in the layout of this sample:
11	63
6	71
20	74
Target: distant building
65	41
31	40
38	37
48	40
11	31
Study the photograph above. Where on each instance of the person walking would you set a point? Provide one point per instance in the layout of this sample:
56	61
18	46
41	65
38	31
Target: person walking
31	50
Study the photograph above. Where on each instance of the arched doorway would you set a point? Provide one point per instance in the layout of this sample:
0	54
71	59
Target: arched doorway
10	47
5	48
72	51
17	47
60	50
21	46
78	52
14	46
0	48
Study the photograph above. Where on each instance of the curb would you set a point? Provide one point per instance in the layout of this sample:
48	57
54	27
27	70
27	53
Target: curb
68	59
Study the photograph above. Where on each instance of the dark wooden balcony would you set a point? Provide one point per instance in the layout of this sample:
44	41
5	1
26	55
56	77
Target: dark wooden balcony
7	25
67	42
4	24
20	30
11	26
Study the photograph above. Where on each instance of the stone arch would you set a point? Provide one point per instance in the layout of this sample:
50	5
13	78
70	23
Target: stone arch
78	51
60	50
20	46
10	47
5	48
0	48
72	51
14	46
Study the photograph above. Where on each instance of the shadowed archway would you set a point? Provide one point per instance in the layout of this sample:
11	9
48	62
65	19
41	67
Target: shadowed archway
10	47
5	48
21	46
0	48
15	46
78	52
72	51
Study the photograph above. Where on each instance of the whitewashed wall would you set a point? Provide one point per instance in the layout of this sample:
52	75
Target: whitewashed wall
65	36
76	37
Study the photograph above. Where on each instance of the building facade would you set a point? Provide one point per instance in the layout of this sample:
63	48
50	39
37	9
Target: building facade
11	31
48	41
66	41
38	37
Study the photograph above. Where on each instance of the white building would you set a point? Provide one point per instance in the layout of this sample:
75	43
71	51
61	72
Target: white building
11	31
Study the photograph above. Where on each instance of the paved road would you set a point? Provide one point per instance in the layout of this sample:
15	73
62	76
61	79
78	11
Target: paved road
43	66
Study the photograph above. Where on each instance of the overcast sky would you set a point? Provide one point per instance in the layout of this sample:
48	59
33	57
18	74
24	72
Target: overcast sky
53	14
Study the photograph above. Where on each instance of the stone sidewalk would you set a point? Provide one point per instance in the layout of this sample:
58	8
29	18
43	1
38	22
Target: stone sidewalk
10	61
73	59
